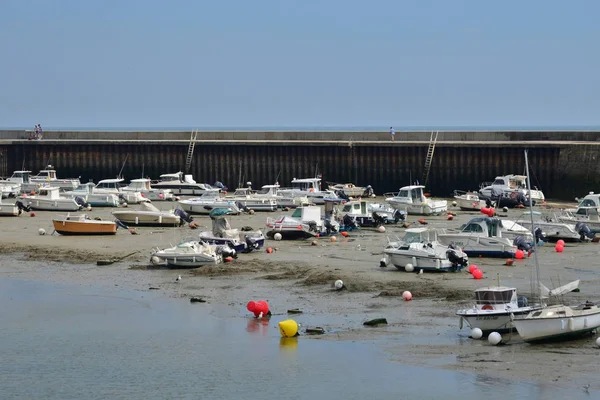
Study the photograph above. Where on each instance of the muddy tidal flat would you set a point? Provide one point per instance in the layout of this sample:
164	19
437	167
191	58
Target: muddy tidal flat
423	332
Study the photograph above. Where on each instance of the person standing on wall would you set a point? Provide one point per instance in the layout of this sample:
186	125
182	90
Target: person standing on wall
392	134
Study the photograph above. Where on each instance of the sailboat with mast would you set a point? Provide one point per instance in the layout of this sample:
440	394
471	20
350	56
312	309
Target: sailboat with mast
558	321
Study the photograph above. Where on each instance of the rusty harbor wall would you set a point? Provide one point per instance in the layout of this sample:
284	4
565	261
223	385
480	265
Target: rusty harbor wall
561	167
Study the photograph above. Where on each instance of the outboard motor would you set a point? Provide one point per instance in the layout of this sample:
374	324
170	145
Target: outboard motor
584	231
184	217
399	215
22	207
369	191
121	224
378	219
522	301
220	185
539	235
522	244
241	206
251	244
488	203
329	227
456	259
226	251
341	195
81	201
312	227
349	222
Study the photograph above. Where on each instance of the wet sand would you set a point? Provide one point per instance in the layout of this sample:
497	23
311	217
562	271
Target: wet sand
297	274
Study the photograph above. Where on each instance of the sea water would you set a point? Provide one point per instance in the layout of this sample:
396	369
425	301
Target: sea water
60	341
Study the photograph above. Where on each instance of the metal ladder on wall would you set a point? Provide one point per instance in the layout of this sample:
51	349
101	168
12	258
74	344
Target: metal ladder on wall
190	153
429	158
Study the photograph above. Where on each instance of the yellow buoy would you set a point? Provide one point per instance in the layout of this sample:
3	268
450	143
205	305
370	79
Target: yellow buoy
288	328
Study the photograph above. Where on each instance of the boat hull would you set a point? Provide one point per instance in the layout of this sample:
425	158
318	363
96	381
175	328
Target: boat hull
147	219
51	205
558	328
204	208
433	208
426	263
84	228
475	246
9	210
489	322
187	260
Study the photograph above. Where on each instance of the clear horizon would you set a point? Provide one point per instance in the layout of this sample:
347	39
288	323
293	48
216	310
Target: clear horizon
426	64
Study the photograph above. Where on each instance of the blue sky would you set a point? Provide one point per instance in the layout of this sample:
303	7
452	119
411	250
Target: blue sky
147	63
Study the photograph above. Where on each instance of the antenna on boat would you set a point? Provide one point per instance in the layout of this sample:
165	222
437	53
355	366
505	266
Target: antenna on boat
277	178
316	170
123	166
535	282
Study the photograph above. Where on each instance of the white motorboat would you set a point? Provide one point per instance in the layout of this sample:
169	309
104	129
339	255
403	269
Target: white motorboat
9	189
304	222
12	209
113	186
206	203
49	199
510	183
223	234
367	213
468	201
181	184
187	254
87	191
350	189
552	228
143	186
558	321
412	200
149	215
586	212
493	308
272	192
246	199
309	187
23	179
420	248
481	236
511	229
48	178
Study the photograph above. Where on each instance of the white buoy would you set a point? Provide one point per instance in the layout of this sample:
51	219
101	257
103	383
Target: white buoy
383	262
277	236
339	284
505	209
495	338
598	342
42	231
155	260
409	268
124	205
476	333
454	203
178	278
89	208
381	229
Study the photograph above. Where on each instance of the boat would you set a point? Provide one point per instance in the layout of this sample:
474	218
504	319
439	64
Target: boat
511	183
223	234
420	248
88	192
586	212
82	224
206	203
114	186
143	186
48	177
9	189
412	200
552	228
246	200
367	213
510	199
481	236
351	190
12	209
309	187
149	215
469	201
493	309
304	222
183	184
187	254
272	192
48	198
23	180
557	321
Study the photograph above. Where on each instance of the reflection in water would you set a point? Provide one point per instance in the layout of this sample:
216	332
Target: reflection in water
288	343
258	325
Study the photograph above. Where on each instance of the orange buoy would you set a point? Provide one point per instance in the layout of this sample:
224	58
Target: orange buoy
32	214
509	261
344	234
228	259
422	222
269	250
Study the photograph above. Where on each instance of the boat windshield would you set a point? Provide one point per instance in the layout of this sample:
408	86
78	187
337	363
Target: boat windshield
493	296
588	203
413	237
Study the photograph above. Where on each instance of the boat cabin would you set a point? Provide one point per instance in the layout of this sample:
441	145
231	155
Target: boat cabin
268	190
486	298
48	174
492	227
308	213
589	205
20	177
412	194
114	184
87	188
419	235
49	192
140	184
307	184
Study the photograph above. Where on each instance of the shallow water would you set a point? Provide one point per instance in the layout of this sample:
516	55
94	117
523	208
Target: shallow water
71	342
